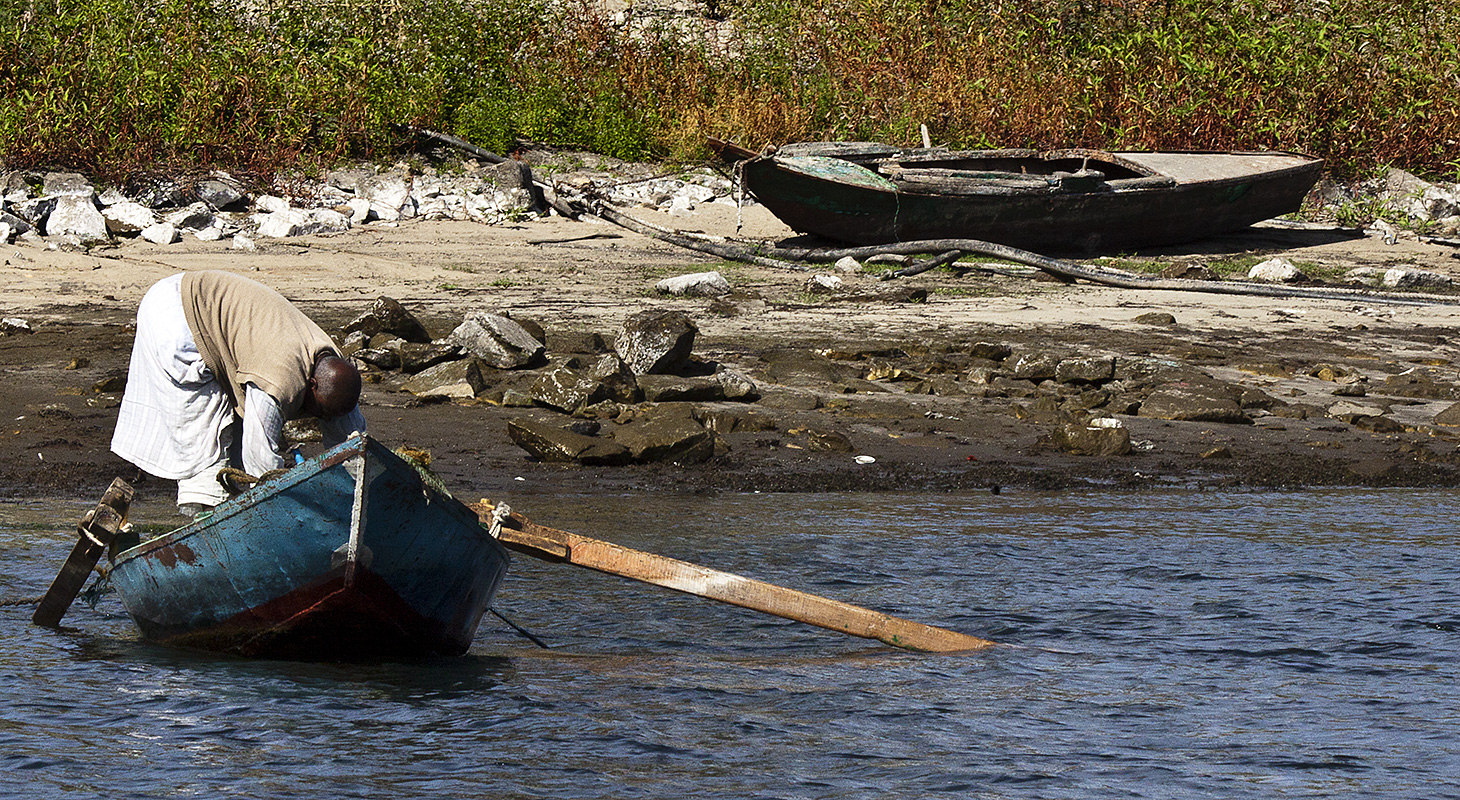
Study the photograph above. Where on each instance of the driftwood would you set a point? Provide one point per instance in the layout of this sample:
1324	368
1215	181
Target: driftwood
797	258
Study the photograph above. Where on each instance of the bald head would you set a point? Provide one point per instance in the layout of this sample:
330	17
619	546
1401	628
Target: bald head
334	388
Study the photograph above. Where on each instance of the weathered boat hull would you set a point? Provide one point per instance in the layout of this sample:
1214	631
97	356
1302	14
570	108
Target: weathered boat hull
350	555
1150	198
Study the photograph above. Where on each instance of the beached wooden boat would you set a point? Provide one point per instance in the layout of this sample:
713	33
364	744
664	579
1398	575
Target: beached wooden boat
1062	201
353	554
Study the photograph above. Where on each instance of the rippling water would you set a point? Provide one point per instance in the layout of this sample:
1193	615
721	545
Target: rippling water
1169	645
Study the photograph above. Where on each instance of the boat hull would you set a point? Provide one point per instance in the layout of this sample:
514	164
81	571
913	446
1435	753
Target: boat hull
1198	202
350	555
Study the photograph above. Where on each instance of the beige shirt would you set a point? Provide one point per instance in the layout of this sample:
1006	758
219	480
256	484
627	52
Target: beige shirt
249	333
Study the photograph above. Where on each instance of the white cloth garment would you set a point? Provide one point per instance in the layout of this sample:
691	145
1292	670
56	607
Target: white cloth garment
175	416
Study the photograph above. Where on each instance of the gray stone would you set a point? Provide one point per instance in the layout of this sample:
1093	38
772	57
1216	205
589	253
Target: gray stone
1155	318
35	210
128	217
16	224
1081	439
1036	367
737	386
656	342
698	284
567	389
828	441
193	218
378	357
387	315
1348	411
67	184
1449	417
499	341
389	196
618	381
220	194
270	204
824	284
1092	369
11	326
673	388
849	265
1276	270
1410	278
456	379
161	233
549	443
803	367
417	356
669	437
1195	403
76	215
728	421
512	174
353	341
5	232
990	351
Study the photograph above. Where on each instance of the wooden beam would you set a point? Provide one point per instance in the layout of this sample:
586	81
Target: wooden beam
95	532
524	536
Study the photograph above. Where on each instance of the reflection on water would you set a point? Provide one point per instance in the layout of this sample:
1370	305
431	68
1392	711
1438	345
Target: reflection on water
1175	645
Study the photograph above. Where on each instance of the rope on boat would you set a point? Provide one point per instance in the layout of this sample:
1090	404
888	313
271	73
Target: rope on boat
521	630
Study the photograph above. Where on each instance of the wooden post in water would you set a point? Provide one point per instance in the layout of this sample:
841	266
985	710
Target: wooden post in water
96	531
524	536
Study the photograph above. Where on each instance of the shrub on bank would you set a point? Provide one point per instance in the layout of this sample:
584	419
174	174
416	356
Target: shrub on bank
119	86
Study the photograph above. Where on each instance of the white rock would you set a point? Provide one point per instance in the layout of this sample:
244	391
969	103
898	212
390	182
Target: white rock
680	206
15	325
270	204
1346	408
699	284
161	233
112	196
359	209
824	284
279	224
5	232
1405	278
847	264
212	233
389	195
76	215
128	217
241	242
323	220
1275	270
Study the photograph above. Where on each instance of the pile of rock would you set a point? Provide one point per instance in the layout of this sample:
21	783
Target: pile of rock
65	209
644	382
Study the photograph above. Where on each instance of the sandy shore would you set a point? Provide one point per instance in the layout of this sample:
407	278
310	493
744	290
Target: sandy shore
589	276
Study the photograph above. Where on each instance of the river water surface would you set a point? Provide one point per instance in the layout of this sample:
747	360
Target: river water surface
1164	645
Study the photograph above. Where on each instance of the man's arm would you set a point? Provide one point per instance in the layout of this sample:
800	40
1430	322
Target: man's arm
263	432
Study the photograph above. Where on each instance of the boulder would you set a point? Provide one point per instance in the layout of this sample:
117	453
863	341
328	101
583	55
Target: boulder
379	357
727	421
76	215
1276	270
670	436
656	342
193	218
1155	318
1092	369
824	284
828	441
35	210
128	217
220	194
567	389
1195	403
1036	367
387	315
389	196
455	379
161	233
990	351
576	342
17	225
66	184
1082	439
1449	417
618	381
802	367
498	340
419	356
549	443
699	284
674	388
1398	278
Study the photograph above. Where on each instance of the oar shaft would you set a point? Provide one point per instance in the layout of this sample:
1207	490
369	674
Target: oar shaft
551	544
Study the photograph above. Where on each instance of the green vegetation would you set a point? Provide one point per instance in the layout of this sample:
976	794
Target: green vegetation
116	87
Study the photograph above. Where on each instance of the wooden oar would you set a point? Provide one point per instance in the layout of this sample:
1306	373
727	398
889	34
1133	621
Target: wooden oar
524	536
96	531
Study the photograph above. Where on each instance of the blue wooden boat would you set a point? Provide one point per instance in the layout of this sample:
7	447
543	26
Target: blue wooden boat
352	554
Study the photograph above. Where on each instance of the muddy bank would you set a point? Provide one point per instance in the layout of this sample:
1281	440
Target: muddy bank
1303	392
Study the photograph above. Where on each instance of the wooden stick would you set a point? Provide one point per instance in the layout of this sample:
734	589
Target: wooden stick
96	531
524	536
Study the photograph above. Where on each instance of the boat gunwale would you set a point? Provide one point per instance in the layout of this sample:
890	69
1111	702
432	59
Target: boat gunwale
239	503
